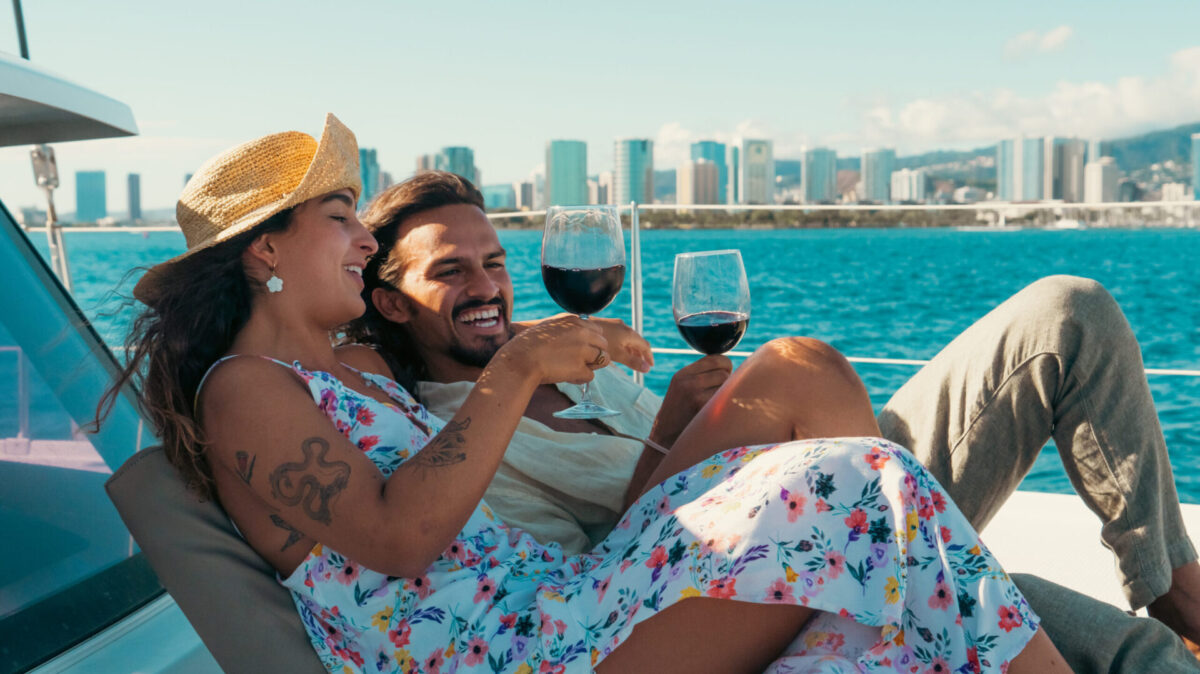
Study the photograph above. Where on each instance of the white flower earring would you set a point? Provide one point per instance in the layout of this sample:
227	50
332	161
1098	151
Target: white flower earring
274	284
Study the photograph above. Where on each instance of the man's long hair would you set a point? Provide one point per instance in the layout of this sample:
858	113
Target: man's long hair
384	217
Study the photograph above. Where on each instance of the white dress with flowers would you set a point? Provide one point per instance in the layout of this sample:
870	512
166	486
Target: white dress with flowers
854	527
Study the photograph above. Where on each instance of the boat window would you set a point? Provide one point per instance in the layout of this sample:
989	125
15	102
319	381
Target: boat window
70	566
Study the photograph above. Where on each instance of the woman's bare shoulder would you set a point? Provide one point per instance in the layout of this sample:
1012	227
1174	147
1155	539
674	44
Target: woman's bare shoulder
233	382
363	358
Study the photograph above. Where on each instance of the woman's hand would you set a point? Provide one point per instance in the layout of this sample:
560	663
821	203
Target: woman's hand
625	345
563	348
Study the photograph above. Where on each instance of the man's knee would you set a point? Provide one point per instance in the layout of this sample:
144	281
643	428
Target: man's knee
1070	309
1073	298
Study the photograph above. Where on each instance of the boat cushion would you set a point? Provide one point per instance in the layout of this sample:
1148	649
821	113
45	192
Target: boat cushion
228	593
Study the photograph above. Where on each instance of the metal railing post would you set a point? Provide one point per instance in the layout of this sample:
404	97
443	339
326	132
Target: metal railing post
22	395
635	275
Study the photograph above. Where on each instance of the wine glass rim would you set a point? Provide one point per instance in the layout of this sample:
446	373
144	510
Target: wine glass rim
703	253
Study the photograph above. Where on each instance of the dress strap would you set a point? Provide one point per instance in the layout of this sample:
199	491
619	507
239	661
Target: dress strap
200	386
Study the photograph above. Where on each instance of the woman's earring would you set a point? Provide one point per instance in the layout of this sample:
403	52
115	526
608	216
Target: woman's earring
274	284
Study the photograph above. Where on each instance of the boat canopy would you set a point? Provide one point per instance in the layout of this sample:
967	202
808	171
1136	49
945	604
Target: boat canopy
38	106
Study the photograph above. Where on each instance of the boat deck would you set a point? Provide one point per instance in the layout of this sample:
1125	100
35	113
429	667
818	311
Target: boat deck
1056	537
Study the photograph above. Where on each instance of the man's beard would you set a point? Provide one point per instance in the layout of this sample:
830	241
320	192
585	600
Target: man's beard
481	355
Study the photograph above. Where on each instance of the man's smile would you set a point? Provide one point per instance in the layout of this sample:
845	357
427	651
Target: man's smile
483	321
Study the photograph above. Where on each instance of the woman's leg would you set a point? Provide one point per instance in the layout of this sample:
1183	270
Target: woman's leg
708	635
789	389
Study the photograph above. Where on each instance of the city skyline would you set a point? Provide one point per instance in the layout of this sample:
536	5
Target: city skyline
970	77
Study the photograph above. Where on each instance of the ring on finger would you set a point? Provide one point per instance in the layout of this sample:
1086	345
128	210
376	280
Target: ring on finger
599	360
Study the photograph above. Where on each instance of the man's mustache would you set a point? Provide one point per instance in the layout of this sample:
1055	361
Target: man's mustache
470	305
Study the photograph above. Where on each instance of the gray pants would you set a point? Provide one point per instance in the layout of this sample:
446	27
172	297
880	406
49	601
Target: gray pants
1059	360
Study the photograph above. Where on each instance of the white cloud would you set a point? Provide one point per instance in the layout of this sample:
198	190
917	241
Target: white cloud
672	145
1086	109
1055	38
1033	42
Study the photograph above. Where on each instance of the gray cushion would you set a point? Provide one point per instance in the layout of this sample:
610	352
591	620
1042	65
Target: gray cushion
229	594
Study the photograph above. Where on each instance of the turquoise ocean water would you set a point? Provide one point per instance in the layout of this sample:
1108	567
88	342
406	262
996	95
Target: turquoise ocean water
881	293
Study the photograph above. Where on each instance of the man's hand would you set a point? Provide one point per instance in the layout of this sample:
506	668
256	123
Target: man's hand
690	389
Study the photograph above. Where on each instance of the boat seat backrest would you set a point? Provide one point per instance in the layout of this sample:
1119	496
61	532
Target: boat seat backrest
228	593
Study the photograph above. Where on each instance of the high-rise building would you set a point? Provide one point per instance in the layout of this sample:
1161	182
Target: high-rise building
787	174
428	162
523	194
187	178
385	180
460	161
1033	164
697	182
134	184
1062	171
91	200
1020	165
1100	181
757	181
1196	166
1093	151
566	173
368	171
818	178
714	152
733	192
1177	192
539	190
605	194
908	185
633	178
877	167
499	197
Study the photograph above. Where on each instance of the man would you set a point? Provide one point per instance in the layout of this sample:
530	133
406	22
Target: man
1058	359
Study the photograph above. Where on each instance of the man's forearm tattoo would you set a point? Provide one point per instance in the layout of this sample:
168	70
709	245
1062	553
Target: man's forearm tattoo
445	449
245	465
293	534
313	483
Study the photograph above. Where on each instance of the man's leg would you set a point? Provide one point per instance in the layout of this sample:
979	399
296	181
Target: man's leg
1056	359
1115	642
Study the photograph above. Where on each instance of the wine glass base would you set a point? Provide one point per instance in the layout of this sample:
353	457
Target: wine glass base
586	410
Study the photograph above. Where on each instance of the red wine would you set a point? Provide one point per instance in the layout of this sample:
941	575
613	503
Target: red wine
713	332
583	291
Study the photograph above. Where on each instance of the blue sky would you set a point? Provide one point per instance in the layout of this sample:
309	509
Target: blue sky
504	77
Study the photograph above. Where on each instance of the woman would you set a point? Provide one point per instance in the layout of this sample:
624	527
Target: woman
370	509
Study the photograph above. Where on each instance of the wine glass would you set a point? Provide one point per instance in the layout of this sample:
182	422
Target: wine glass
583	267
711	299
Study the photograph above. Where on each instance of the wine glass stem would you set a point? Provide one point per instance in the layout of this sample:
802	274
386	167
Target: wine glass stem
585	398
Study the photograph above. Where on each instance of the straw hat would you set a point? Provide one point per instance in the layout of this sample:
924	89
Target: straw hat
242	187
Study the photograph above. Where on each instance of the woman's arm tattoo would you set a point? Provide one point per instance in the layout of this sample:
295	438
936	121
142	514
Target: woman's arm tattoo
293	534
313	483
445	449
245	465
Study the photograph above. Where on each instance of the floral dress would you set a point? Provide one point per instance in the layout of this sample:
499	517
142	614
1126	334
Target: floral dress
854	527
